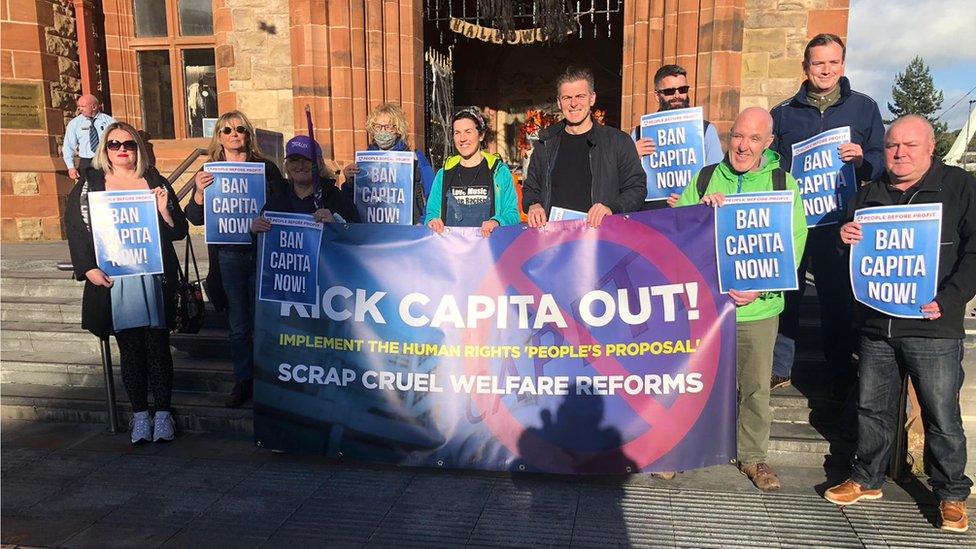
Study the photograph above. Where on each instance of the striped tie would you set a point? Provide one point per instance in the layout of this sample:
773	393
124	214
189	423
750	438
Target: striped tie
93	136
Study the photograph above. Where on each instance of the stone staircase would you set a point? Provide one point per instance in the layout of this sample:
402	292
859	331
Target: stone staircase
51	369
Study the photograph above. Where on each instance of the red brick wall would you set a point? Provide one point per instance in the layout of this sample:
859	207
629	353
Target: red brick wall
703	36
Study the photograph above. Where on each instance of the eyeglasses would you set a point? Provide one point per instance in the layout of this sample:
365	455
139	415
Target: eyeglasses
579	98
239	129
128	145
671	91
384	127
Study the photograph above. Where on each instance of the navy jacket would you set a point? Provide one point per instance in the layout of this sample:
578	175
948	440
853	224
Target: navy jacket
795	120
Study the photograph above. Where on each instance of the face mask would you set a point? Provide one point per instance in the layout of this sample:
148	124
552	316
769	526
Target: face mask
385	140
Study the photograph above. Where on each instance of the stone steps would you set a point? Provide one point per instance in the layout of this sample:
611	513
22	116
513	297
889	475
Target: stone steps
193	411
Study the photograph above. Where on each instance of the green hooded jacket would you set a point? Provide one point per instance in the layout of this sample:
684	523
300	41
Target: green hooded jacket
727	181
506	203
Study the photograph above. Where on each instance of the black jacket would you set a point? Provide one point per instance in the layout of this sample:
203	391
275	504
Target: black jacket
96	304
326	195
956	191
619	180
795	120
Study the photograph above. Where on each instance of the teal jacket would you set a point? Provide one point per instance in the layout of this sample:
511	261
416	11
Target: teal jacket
506	203
727	181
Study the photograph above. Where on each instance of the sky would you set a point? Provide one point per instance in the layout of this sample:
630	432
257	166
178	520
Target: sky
883	36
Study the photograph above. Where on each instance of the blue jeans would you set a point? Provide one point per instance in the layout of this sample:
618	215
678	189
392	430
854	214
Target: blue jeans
828	263
237	269
935	367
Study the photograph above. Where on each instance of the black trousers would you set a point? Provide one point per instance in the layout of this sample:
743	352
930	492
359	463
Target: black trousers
147	365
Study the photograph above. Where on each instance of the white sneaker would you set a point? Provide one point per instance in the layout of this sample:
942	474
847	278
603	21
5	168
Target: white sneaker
142	429
164	427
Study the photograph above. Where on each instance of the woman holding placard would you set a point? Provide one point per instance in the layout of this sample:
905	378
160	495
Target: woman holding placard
474	188
139	309
233	265
387	129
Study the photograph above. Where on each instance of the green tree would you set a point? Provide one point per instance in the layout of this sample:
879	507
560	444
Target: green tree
914	92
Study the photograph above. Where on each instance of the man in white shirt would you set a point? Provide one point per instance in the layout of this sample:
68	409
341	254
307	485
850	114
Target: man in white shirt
83	135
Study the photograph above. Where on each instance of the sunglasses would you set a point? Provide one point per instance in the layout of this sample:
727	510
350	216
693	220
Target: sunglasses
239	129
129	145
671	91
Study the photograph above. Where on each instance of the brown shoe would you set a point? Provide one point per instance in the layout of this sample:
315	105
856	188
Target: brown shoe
775	381
762	475
665	475
954	517
849	492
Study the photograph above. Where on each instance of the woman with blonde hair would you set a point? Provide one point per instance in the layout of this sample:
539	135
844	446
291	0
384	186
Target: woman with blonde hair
387	129
232	267
139	310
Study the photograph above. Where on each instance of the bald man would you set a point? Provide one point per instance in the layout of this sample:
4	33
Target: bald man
929	349
83	135
750	166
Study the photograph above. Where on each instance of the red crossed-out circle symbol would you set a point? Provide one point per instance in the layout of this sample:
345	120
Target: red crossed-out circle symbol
666	427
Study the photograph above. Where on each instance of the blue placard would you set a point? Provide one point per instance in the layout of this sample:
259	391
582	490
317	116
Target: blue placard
235	197
894	268
679	150
826	182
754	242
384	187
125	230
290	258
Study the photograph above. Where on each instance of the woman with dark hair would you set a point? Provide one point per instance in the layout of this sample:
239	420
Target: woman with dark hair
474	188
139	310
234	141
387	129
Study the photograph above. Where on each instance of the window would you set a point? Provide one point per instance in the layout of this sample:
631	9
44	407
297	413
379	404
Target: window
174	46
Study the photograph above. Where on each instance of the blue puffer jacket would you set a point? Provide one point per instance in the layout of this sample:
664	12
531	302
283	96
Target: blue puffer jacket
795	120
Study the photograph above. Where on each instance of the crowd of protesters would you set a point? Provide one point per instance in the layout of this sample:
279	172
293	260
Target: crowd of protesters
582	165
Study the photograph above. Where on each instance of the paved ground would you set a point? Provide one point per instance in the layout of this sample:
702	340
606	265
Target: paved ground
71	485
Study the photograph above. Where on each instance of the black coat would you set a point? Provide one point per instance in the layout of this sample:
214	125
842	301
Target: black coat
619	180
955	189
96	303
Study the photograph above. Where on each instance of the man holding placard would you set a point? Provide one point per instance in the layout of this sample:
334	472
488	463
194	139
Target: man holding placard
671	89
837	134
916	323
749	167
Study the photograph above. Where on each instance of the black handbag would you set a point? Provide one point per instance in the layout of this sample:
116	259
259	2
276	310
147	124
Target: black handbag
189	295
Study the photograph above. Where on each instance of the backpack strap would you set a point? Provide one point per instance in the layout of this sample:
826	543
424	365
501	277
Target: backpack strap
704	177
779	179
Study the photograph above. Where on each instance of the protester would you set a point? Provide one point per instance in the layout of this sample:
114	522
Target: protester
747	168
671	88
83	135
232	266
930	350
321	198
139	310
474	188
387	128
826	101
579	165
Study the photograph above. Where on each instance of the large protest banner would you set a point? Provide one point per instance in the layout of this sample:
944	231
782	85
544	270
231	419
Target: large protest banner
566	349
895	266
235	197
679	150
290	258
826	182
754	242
125	231
384	187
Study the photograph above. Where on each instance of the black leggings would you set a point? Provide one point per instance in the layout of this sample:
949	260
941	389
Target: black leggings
146	364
